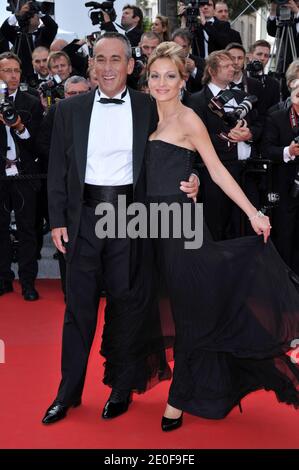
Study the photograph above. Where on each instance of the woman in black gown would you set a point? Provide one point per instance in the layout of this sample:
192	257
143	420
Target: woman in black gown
235	304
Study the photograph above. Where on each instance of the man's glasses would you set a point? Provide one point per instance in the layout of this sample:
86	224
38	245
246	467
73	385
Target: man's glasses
71	93
10	71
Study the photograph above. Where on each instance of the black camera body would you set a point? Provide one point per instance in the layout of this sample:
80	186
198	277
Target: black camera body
96	14
231	118
52	90
7	109
140	62
254	68
192	12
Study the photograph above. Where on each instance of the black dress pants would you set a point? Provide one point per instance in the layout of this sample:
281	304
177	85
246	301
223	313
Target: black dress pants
19	196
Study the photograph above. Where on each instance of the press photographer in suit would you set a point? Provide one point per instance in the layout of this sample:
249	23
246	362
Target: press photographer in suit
18	157
26	30
234	143
281	144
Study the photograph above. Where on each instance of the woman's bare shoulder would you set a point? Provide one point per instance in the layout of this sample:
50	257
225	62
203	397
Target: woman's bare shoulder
190	118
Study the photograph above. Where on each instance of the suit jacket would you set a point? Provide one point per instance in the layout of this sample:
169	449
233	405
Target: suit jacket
44	36
68	157
194	84
133	36
31	113
277	135
220	35
199	103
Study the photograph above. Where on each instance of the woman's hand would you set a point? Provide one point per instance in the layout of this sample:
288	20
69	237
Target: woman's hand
261	225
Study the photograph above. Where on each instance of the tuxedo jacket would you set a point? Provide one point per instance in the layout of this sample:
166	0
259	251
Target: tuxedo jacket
30	110
44	36
215	124
277	135
68	157
220	35
194	84
133	36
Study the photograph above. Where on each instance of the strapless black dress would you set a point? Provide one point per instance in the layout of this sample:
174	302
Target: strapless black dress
235	306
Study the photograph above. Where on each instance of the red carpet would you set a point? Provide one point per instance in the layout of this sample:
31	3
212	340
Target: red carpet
30	376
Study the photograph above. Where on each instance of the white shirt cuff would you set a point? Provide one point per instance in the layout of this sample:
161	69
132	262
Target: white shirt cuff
12	20
24	136
286	155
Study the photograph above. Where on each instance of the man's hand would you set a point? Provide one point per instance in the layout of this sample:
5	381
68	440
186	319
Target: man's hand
293	6
60	236
190	65
18	125
105	16
294	149
191	187
240	133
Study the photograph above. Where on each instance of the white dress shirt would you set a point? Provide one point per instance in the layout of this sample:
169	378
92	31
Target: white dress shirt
11	153
110	143
244	150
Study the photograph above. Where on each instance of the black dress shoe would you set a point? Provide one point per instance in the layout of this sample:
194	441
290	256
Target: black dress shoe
169	424
58	411
5	287
117	404
29	292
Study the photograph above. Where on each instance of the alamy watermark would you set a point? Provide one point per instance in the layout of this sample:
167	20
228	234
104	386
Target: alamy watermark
153	220
2	352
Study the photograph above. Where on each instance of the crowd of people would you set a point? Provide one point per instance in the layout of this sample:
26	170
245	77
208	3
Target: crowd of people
227	125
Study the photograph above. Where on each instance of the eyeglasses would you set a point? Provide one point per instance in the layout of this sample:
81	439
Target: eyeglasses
10	70
72	93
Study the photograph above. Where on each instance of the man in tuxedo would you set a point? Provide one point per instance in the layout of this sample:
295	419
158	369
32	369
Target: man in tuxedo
96	155
221	13
34	36
210	34
194	64
18	157
280	146
233	143
251	86
131	24
260	51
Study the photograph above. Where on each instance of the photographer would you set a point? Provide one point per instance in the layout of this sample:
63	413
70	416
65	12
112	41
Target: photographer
18	130
209	34
233	143
60	69
131	23
241	81
26	30
281	144
275	24
194	64
259	54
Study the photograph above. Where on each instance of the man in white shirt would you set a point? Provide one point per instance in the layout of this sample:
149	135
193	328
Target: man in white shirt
96	155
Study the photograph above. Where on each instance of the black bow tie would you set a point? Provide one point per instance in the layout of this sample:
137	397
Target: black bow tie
113	100
240	85
110	100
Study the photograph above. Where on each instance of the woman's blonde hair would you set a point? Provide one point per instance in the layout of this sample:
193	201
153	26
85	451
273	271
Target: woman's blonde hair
169	50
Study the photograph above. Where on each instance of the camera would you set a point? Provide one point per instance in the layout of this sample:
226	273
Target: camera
238	112
192	12
52	90
7	109
140	61
254	68
96	14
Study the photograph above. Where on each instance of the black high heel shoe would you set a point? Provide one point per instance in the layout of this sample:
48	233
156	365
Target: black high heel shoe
170	424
